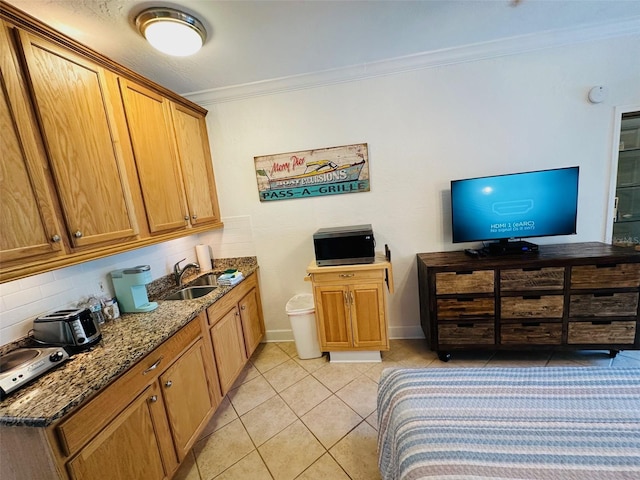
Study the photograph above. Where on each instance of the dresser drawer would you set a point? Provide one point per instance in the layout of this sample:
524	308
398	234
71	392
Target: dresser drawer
466	333
551	278
476	281
606	276
455	308
532	306
604	305
531	333
93	417
602	331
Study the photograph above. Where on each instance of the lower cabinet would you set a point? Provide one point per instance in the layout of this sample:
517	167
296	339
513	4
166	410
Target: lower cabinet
236	329
115	438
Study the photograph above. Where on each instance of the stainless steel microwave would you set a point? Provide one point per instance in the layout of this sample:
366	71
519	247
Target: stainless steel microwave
344	245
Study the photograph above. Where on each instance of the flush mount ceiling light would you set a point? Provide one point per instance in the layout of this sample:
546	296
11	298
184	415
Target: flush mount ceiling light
171	31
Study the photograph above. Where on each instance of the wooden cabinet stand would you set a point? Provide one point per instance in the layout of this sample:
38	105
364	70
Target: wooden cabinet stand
570	296
351	306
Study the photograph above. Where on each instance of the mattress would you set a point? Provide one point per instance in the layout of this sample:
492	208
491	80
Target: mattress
548	423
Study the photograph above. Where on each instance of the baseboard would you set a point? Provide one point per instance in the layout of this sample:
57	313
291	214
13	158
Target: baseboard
395	333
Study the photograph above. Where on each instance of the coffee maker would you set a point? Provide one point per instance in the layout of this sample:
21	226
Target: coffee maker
129	284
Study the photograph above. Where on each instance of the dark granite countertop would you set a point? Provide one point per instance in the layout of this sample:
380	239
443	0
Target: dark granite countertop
125	341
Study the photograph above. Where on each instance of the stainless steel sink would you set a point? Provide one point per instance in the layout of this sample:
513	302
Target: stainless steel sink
206	279
189	293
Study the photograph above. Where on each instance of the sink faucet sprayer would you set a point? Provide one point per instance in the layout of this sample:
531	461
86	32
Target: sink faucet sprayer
179	273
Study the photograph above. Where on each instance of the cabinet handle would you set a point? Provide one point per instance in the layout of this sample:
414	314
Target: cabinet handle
346	298
243	307
346	275
153	399
78	234
153	367
186	218
194	217
607	265
351	297
530	324
168	384
56	238
531	297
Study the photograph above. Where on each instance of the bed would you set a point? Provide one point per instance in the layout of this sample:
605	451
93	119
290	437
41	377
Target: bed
548	423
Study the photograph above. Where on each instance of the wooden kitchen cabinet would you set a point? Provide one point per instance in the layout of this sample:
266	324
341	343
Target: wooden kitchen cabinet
78	184
28	224
237	327
570	296
197	168
73	106
143	425
129	448
350	303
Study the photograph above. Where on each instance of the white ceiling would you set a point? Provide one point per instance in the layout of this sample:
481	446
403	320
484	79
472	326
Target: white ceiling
253	41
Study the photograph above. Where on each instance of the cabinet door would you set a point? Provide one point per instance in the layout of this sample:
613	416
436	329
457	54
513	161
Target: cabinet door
228	348
252	322
73	107
152	138
197	169
186	397
128	448
27	222
368	316
332	313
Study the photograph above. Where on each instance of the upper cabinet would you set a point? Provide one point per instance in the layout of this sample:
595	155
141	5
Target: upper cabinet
72	103
149	122
28	224
97	160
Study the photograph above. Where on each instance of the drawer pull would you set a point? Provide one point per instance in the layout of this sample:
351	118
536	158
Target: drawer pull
168	383
153	398
601	322
465	272
531	297
530	324
607	265
153	367
532	269
346	275
465	299
603	294
464	325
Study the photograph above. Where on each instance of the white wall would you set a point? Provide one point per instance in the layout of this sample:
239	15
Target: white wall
424	128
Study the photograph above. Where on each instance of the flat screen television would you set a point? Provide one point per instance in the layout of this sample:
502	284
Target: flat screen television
514	206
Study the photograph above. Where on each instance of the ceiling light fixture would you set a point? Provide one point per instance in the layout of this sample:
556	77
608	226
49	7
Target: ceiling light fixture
171	31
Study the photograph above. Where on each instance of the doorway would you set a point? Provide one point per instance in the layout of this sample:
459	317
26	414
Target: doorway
626	204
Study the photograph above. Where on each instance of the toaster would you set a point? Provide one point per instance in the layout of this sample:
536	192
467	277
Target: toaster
76	328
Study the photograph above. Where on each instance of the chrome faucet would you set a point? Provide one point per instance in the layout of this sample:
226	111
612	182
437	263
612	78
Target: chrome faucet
179	273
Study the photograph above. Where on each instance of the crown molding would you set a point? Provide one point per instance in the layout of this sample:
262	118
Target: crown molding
436	58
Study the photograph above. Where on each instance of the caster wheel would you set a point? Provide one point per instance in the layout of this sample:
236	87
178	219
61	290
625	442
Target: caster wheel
613	353
444	356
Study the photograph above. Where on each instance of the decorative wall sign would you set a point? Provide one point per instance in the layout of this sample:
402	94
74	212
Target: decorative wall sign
312	173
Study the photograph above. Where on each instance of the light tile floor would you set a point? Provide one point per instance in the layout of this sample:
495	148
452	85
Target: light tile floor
288	418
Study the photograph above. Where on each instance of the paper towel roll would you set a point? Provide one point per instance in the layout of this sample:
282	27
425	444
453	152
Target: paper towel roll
204	258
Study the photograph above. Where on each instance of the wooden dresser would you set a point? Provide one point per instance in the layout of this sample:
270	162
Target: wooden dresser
569	296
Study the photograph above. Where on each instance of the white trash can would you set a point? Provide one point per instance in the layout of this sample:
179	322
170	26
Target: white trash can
302	317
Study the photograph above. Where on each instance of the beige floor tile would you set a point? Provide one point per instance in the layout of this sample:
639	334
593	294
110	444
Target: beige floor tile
251	394
268	357
224	415
593	358
188	469
325	468
625	361
219	451
373	419
289	348
374	372
285	375
250	467
249	372
360	395
630	353
291	452
334	376
519	359
312	364
268	419
331	420
357	453
305	395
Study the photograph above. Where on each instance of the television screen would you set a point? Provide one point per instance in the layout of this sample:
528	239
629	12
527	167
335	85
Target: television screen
519	205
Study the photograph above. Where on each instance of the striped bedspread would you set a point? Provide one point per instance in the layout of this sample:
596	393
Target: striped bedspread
549	423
